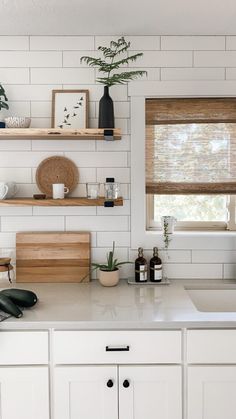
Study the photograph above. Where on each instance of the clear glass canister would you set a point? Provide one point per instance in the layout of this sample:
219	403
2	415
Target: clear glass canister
111	190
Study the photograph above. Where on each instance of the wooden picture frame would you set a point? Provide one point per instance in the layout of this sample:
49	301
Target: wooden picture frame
70	109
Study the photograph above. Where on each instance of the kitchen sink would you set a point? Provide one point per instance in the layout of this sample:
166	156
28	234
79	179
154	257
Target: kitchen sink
221	298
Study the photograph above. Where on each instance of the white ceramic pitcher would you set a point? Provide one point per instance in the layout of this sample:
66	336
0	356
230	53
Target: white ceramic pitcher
3	190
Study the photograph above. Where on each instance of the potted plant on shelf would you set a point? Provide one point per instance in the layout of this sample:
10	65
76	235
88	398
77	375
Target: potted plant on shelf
109	272
109	66
3	105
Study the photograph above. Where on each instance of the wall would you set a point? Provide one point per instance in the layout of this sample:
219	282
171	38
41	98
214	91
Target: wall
30	67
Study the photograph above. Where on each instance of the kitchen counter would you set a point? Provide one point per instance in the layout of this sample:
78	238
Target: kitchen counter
91	306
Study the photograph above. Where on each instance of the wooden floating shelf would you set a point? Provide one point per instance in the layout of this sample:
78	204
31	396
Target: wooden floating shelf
67	202
56	134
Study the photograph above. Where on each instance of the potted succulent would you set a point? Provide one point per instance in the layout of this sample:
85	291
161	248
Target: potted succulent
109	272
113	58
3	105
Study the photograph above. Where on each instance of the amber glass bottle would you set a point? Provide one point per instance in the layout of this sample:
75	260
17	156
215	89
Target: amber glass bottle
155	267
140	267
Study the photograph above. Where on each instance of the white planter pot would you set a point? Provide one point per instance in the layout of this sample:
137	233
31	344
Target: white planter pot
109	278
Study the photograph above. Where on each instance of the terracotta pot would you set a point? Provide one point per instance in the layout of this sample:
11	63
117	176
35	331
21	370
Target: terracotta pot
109	278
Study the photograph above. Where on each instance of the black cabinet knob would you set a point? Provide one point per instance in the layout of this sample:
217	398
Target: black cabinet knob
126	384
110	383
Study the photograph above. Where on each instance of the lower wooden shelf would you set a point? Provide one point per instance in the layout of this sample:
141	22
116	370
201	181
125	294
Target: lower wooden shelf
67	202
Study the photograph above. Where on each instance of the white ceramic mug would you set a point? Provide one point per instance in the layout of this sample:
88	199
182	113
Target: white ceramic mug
3	190
12	189
170	223
59	190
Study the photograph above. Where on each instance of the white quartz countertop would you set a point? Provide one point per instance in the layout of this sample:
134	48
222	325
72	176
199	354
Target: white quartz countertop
93	307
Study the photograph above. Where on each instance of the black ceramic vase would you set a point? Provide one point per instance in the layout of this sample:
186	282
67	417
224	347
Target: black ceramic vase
106	110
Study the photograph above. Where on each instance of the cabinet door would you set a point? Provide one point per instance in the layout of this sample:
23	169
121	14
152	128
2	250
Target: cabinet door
24	393
150	392
212	392
86	392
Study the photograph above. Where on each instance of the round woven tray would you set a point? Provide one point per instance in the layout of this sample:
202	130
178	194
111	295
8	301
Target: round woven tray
56	169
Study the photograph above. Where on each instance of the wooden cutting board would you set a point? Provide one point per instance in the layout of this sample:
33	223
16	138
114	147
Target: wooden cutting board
53	257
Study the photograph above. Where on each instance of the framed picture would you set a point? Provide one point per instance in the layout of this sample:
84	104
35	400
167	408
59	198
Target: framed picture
70	109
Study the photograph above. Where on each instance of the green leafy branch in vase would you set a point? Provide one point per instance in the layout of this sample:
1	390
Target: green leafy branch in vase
111	62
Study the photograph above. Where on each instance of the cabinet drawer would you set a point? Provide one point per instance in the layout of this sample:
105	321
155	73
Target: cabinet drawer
211	346
21	348
79	347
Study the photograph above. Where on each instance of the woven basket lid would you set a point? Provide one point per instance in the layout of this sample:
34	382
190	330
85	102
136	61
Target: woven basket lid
56	169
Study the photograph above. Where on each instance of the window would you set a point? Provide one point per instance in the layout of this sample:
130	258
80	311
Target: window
191	162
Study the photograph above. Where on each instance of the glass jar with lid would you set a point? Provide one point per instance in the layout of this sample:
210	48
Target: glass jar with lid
111	188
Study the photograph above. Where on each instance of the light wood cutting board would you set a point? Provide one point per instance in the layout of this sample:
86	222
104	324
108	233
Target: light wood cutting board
52	257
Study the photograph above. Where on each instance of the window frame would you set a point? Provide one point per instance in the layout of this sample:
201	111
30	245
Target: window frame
138	92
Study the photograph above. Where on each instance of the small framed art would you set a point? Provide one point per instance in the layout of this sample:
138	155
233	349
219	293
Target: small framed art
70	109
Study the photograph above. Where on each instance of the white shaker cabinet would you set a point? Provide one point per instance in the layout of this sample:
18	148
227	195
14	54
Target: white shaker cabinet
24	393
212	392
150	392
137	377
88	392
85	392
211	383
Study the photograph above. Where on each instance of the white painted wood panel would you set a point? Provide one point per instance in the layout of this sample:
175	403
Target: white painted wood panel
75	347
211	392
211	346
153	392
22	348
83	393
24	393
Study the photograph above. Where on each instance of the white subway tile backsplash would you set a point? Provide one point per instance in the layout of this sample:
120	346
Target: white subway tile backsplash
231	42
120	175
14	43
30	59
36	223
230	271
12	174
63	145
47	211
98	159
10	75
215	59
15	211
23	158
192	43
164	59
194	271
123	145
62	75
121	238
119	210
7	240
98	223
61	43
192	74
31	92
15	145
30	68
214	256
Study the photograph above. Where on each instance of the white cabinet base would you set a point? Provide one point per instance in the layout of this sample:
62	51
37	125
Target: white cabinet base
82	392
24	393
212	392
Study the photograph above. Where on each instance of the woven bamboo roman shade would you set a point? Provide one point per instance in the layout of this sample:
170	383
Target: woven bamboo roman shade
191	146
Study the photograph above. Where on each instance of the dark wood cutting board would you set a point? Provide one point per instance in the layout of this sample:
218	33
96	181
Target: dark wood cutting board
52	257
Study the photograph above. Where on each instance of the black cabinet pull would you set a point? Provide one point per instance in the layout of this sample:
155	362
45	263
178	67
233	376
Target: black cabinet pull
110	383
126	384
117	348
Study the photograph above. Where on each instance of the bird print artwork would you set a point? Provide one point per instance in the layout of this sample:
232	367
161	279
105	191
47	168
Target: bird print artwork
73	113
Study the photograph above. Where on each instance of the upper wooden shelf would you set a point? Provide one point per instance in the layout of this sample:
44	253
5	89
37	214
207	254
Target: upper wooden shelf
54	133
67	202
